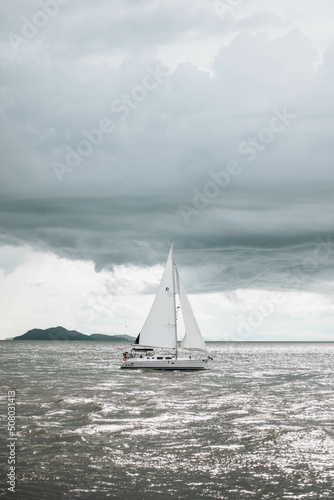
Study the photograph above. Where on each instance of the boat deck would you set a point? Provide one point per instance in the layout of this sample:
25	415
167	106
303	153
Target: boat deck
165	363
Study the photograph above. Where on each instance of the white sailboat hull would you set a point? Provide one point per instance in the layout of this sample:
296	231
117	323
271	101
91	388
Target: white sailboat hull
166	364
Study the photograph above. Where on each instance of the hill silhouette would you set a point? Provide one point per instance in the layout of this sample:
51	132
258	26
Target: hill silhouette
61	333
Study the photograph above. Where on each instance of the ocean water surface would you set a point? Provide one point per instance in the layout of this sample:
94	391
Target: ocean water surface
259	424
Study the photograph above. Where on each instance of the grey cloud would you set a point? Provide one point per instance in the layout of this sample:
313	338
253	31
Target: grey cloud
120	205
259	252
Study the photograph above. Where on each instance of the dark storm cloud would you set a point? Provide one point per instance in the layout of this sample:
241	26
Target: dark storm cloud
111	231
121	204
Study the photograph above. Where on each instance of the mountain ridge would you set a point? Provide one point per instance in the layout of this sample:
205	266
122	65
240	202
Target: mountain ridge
59	333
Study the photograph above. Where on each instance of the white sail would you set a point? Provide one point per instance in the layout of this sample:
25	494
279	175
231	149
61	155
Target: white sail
159	328
193	339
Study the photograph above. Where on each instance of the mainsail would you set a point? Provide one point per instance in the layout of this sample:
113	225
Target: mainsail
159	328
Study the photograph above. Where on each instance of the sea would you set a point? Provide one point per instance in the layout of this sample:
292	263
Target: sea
258	424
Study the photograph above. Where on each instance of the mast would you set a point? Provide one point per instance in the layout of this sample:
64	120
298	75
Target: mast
174	293
178	289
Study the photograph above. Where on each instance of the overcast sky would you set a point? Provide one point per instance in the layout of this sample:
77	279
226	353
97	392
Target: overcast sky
128	123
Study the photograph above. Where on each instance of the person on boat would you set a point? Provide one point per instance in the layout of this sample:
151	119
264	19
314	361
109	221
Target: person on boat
125	356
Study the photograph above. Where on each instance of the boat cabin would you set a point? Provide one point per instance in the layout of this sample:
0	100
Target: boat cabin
148	353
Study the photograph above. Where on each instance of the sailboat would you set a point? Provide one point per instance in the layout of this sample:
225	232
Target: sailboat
160	329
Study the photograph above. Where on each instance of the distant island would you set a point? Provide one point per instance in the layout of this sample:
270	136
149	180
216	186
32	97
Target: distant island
61	333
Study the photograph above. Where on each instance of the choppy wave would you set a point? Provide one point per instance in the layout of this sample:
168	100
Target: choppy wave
258	424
